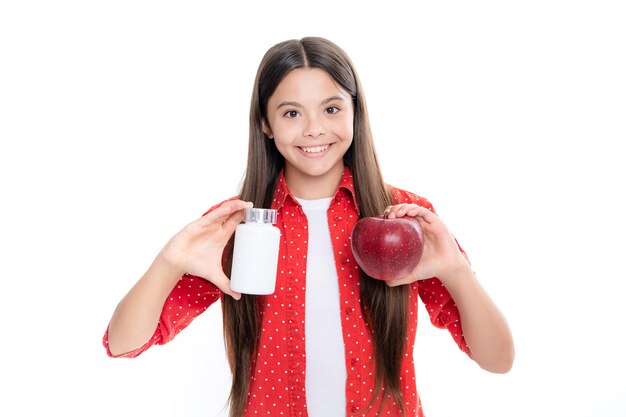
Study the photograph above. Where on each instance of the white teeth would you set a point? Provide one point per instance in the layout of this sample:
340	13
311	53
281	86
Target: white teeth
315	149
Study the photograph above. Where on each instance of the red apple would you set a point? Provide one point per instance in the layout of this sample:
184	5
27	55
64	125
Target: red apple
387	249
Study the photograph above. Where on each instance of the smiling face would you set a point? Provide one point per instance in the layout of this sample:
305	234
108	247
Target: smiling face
310	118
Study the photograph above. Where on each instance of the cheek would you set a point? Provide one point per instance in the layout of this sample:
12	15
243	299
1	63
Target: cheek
345	131
344	126
285	132
284	139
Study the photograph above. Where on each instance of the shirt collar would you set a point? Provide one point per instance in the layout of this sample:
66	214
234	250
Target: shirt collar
282	192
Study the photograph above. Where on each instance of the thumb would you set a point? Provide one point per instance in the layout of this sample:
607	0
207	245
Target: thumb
400	281
393	282
222	282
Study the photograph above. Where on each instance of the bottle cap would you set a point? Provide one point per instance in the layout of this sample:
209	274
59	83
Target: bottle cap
259	215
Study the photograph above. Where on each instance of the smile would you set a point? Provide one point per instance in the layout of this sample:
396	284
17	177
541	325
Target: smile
315	149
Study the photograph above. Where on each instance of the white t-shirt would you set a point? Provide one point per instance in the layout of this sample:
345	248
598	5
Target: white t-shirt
325	351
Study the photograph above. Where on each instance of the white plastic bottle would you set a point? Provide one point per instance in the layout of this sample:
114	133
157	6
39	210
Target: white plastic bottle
255	253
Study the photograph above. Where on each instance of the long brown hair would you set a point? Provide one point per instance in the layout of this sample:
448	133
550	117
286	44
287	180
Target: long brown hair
385	308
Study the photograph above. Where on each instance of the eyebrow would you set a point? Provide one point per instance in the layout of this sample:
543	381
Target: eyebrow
296	104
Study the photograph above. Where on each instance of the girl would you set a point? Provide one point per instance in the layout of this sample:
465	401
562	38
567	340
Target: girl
330	341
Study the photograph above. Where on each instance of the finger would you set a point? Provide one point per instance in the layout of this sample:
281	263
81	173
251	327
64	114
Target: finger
220	214
398	210
422	213
235	219
404	209
392	211
222	282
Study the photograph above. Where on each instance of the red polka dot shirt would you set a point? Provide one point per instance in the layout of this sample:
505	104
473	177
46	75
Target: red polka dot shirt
277	386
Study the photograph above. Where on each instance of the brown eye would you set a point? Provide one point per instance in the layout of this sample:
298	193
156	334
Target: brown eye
291	114
332	110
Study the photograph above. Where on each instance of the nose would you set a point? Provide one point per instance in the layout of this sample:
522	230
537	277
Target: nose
314	128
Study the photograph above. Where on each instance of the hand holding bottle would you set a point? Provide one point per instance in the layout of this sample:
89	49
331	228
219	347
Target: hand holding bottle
197	249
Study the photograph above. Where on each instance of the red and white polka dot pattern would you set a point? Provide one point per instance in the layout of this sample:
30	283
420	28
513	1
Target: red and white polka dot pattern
278	371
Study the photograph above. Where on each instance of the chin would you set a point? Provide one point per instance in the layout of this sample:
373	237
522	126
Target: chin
316	172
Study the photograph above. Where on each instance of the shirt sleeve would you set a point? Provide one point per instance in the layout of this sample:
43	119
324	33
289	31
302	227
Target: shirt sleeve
442	310
439	304
189	298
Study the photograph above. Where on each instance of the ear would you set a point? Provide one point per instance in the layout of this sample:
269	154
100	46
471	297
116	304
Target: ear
266	129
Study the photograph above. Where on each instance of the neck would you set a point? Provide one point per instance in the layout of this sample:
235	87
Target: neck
309	187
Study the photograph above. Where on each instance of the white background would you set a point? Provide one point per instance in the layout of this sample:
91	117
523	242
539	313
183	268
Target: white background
121	121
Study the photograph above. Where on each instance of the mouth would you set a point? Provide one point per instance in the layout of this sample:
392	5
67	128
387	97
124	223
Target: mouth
312	150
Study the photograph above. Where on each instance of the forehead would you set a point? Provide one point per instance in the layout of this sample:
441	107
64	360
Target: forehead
307	84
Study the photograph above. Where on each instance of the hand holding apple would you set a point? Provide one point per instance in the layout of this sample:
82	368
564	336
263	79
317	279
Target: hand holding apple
442	257
386	248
